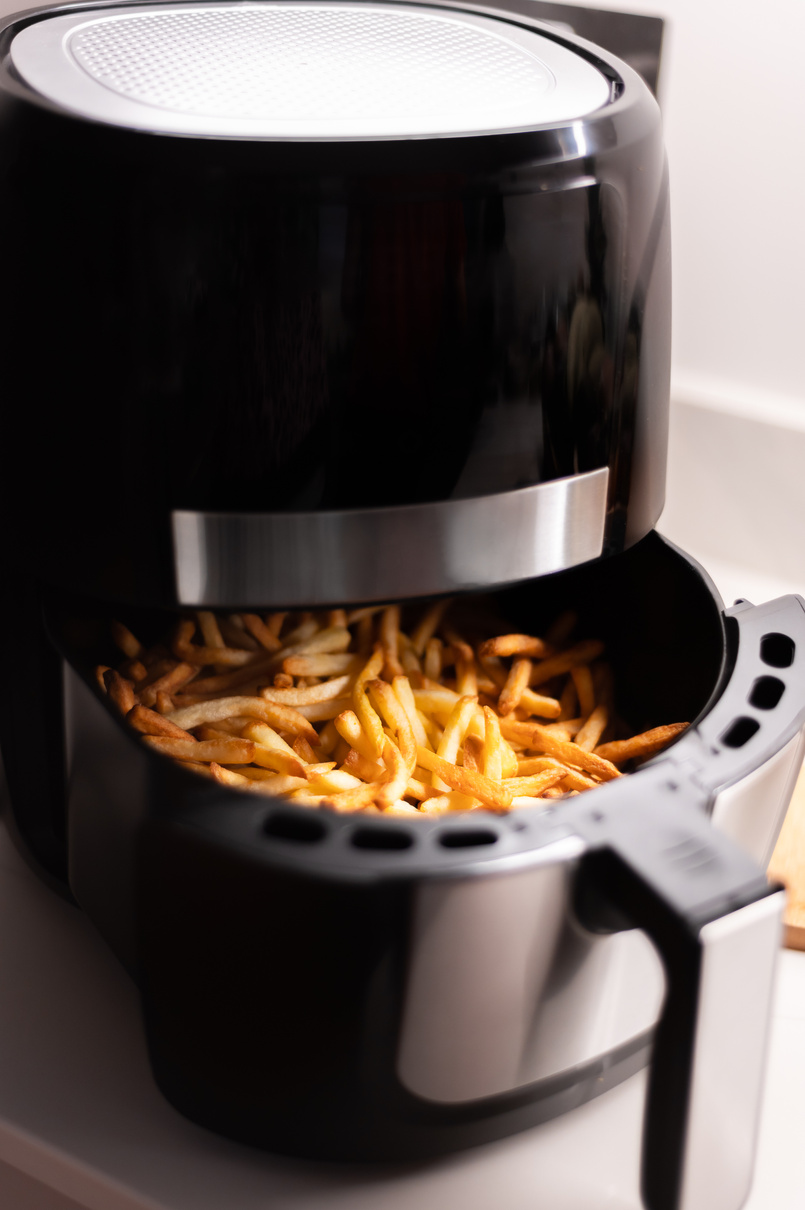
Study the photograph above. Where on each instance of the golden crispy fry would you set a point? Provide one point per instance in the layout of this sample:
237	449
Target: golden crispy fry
319	712
402	688
515	644
259	631
536	784
220	682
164	703
434	652
569	701
134	670
389	636
337	617
192	653
120	690
397	779
454	732
516	683
170	682
390	709
475	785
555	665
348	726
334	638
210	631
492	746
535	736
125	640
285	718
530	765
575	780
589	735
274	622
473	753
369	720
583	682
565	728
235	634
225	751
419	790
429	624
640	745
273	786
355	800
303	750
536	703
366	770
466	674
148	722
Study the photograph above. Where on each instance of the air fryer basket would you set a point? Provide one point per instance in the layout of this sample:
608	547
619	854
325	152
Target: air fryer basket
283	953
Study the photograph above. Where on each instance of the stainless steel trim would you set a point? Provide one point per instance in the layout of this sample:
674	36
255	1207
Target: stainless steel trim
737	983
382	554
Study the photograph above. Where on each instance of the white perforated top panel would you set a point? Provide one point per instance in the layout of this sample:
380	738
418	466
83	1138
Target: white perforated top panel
306	71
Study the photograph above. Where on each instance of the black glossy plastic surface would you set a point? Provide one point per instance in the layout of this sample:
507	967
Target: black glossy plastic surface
218	324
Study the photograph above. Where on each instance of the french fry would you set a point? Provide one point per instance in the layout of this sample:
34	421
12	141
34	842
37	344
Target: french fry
285	718
193	653
429	624
320	712
224	751
323	664
536	736
148	722
170	682
536	784
259	631
274	622
473	753
348	726
583	682
164	703
474	785
366	770
536	703
648	742
582	653
389	708
433	659
125	640
235	634
210	630
303	750
491	747
100	672
589	735
369	720
515	644
120	690
402	687
516	683
389	636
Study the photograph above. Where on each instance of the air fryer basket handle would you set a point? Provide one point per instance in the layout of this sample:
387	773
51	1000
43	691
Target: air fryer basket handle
658	865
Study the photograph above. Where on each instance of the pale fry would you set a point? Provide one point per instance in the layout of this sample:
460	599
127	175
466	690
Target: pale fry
645	744
323	664
327	691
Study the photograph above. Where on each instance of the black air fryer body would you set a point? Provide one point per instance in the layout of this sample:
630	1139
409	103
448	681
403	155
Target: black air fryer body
343	356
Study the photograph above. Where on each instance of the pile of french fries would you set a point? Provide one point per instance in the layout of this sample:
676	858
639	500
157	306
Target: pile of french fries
350	712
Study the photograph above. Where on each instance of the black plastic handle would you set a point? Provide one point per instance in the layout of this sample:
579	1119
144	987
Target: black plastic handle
656	863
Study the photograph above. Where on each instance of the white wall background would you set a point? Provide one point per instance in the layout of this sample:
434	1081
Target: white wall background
732	90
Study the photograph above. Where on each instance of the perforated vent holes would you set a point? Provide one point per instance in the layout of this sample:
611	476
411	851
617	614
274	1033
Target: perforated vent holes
306	70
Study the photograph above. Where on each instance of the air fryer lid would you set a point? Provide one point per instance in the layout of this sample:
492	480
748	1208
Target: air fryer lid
306	71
